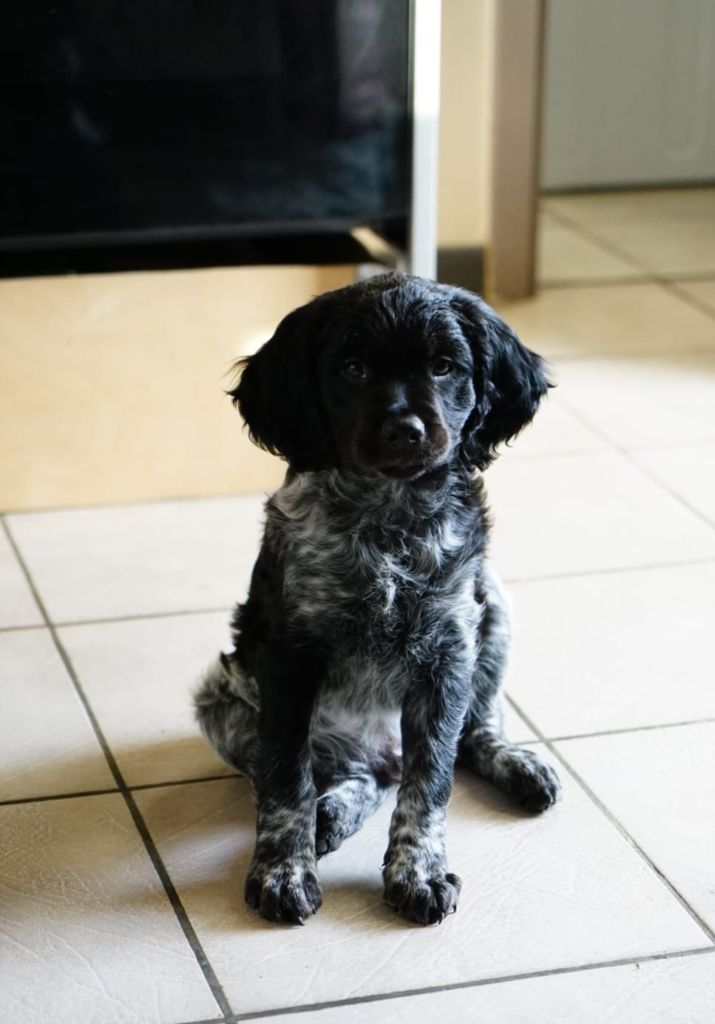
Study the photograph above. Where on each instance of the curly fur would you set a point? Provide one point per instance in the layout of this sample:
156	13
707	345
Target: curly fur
373	643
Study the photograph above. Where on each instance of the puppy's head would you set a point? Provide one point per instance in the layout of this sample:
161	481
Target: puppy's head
395	376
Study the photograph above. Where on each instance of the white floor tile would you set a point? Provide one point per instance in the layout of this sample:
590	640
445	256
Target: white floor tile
47	745
555	431
683	248
138	559
86	932
614	650
702	291
633	206
558	890
689	471
664	231
658	400
565	255
586	513
674	991
515	728
660	784
139	677
17	605
608	320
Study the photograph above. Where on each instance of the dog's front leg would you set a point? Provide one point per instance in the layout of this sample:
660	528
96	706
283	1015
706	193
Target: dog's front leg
282	883
417	881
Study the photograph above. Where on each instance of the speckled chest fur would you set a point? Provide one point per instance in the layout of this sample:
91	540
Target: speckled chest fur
377	569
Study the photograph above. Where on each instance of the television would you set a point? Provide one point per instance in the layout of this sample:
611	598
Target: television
137	134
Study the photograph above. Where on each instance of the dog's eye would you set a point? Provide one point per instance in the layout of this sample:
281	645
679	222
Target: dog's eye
442	366
354	369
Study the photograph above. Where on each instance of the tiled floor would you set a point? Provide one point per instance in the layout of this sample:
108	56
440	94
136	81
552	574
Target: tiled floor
124	841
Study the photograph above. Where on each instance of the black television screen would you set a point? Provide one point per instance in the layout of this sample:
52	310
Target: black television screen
137	121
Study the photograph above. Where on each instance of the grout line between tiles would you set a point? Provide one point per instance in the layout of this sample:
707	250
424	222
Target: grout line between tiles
625	729
613	571
140	788
646	471
100	506
461	985
650	475
602	243
22	629
15	801
666	282
610	816
643	277
559	284
149	845
139	616
133	617
631	457
652	446
671	285
184	782
211	1020
689	277
520	457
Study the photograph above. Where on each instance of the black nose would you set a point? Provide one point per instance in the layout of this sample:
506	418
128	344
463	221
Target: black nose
405	431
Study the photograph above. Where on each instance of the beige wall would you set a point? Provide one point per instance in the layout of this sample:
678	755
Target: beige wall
112	384
465	121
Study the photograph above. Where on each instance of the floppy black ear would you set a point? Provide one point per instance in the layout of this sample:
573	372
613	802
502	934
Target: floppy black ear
278	394
510	380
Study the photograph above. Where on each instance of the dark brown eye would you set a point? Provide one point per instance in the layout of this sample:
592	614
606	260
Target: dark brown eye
354	369
442	366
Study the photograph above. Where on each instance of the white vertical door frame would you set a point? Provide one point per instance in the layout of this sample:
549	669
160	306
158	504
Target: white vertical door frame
425	71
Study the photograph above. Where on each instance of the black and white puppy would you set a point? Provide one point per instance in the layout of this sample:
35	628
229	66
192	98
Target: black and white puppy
373	642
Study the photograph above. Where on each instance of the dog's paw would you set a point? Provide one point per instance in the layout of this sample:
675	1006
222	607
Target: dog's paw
528	780
423	900
288	892
334	822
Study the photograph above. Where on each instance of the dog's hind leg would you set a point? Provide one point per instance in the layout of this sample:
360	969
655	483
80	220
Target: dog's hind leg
353	794
483	748
226	706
